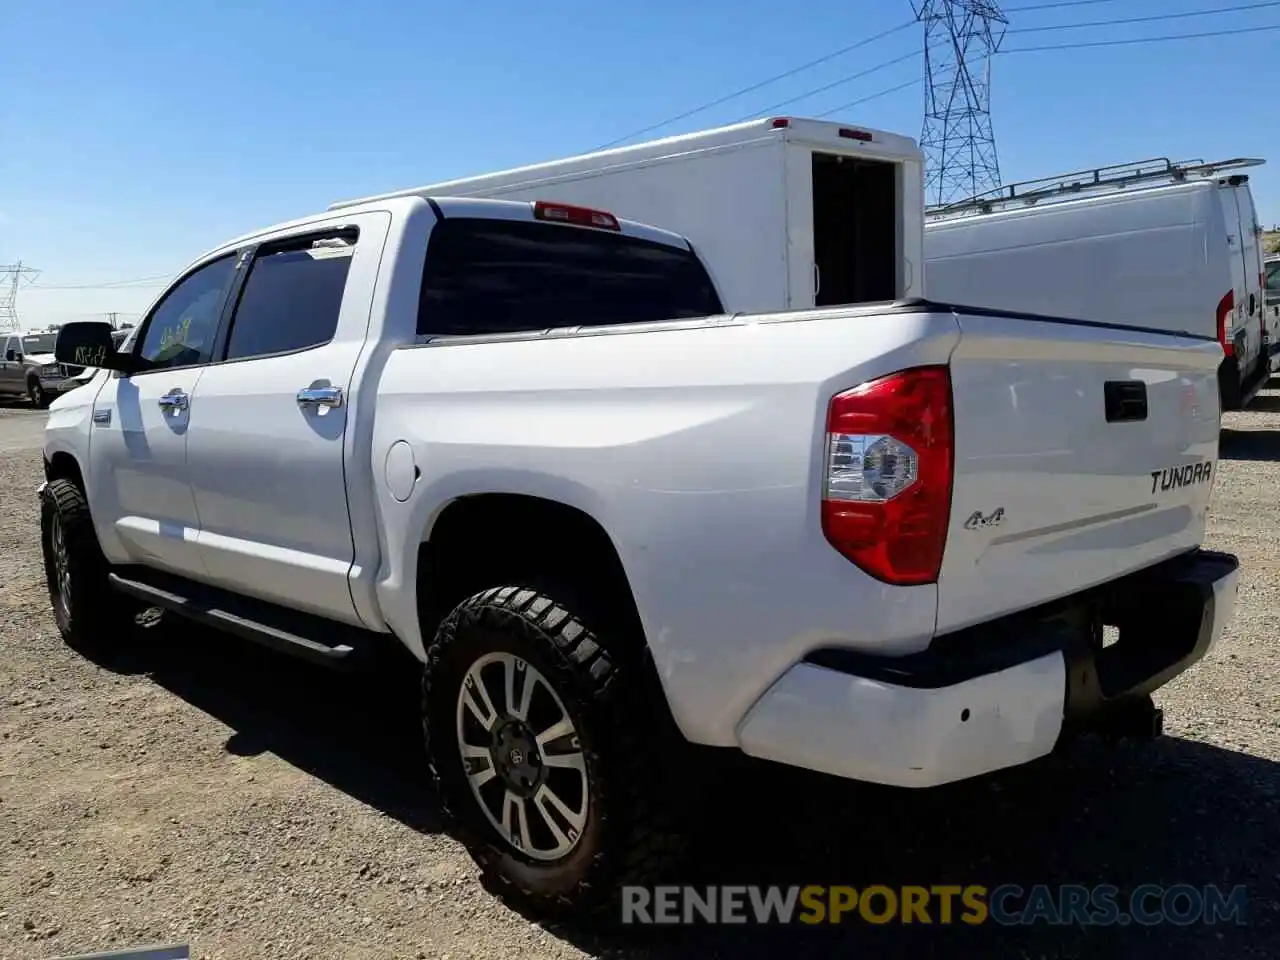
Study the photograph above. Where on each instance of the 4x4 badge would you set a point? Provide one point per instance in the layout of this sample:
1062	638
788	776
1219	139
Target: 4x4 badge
977	521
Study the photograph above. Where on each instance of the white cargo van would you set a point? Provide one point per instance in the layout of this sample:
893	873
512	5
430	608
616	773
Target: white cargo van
787	213
1157	244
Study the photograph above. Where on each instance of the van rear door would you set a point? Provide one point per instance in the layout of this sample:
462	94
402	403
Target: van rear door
1242	239
1251	250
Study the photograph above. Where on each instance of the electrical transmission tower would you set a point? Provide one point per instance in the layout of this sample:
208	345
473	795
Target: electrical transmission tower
11	277
957	139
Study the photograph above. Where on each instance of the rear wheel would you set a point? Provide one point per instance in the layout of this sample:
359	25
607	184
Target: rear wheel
542	753
87	611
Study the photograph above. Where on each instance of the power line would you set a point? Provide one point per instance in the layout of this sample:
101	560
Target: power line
826	58
763	83
1149	19
831	86
1054	6
1118	43
869	97
139	283
1061	46
880	66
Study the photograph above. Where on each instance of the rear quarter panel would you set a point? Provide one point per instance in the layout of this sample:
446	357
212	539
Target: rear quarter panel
697	447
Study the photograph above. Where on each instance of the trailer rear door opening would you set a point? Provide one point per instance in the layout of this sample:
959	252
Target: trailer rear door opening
855	229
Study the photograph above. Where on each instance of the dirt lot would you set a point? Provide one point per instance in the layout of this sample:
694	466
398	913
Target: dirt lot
210	793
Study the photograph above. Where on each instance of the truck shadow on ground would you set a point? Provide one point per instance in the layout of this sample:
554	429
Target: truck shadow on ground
1265	402
359	733
1174	811
1170	812
1256	445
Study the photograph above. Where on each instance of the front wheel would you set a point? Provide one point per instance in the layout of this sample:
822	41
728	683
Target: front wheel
36	394
540	751
87	611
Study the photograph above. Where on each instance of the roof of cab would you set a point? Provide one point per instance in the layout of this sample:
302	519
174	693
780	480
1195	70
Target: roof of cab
449	206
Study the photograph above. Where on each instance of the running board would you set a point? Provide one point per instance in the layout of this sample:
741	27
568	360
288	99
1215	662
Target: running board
260	622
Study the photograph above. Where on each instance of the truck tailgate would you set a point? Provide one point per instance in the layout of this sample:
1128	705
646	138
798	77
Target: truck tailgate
1083	452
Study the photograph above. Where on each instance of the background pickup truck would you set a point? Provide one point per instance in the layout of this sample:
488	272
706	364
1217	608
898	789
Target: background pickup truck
28	368
522	442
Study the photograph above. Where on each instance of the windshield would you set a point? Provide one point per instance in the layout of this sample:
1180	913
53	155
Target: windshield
1273	278
39	343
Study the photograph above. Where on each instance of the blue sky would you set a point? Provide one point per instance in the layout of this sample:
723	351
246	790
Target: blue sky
137	134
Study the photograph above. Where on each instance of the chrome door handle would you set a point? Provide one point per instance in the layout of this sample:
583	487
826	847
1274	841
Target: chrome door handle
320	397
174	400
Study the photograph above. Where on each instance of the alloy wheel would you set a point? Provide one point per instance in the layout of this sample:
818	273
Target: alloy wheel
522	756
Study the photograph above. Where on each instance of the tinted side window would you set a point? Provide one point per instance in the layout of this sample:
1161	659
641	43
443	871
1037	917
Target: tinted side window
181	329
292	297
497	276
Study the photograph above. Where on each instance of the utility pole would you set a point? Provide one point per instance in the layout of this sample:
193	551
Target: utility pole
12	277
960	37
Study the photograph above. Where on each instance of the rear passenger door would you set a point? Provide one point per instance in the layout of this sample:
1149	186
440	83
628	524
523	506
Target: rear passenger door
270	416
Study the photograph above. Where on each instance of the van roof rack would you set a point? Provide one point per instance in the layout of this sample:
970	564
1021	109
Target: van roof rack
1067	185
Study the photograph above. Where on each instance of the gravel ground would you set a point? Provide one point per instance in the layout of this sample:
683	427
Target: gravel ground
253	807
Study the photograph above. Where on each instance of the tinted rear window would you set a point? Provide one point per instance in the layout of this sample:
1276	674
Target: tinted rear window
499	276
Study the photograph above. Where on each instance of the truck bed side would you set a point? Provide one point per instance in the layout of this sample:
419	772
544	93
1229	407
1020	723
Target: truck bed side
698	447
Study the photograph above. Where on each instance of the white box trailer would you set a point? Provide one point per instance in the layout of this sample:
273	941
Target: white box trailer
1157	244
786	212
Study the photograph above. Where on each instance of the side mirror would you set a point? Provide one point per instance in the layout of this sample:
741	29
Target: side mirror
88	343
10	356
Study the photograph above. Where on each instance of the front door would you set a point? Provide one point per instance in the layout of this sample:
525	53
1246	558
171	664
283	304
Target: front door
144	508
266	451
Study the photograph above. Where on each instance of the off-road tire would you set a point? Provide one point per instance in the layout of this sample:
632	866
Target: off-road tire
632	833
36	394
95	615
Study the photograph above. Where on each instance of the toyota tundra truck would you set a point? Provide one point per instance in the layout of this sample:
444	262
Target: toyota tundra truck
524	442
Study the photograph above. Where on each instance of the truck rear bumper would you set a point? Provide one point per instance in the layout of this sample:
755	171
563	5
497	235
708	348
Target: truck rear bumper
999	695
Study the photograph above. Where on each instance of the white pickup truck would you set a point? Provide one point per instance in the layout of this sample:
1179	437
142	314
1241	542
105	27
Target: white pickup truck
524	442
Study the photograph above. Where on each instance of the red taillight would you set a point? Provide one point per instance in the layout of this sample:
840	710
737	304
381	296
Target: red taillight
1226	306
855	135
780	123
579	216
886	496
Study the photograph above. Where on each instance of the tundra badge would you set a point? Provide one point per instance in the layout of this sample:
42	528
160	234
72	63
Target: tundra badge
1171	478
